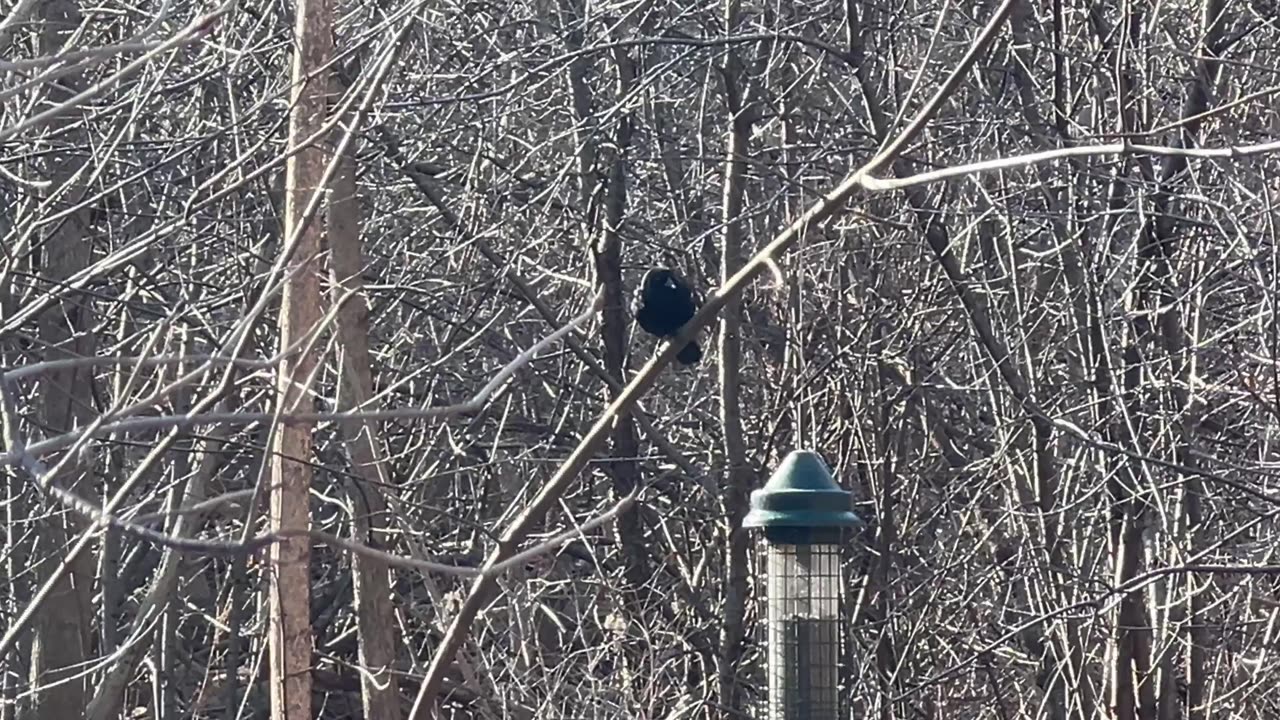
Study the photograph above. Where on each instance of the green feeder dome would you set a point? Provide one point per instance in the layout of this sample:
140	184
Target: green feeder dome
802	497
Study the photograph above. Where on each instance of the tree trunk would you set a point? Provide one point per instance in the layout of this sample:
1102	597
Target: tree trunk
375	616
63	632
741	99
290	559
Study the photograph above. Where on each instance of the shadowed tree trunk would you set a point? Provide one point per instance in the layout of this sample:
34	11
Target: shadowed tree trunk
375	615
1161	295
741	91
63	629
603	169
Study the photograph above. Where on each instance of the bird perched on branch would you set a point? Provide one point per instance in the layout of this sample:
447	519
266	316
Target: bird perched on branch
663	304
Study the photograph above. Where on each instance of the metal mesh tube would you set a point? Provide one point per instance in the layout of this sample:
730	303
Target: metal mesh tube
803	632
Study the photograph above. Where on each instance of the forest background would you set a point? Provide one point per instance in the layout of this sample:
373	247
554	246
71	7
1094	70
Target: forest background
321	395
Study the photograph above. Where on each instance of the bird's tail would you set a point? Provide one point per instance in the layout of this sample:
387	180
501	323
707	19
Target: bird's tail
690	354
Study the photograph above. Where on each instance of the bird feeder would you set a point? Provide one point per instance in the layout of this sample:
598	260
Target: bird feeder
804	516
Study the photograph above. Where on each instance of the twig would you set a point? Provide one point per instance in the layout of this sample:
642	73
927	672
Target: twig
1016	161
98	53
17	15
472	405
622	505
200	508
193	31
27	457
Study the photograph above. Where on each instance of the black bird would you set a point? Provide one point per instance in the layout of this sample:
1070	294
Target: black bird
663	304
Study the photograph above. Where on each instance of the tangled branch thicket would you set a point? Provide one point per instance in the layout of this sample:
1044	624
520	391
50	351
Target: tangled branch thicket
1053	384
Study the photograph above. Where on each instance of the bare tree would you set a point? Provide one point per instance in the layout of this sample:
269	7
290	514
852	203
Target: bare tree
370	517
1027	311
63	631
742	106
291	640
